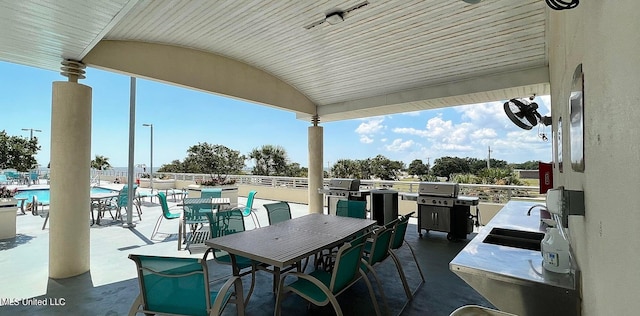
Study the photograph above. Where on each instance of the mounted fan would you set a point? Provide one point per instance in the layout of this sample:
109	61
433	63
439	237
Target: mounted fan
337	16
524	113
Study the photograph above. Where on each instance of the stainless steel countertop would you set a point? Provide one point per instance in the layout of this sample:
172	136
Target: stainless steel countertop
508	263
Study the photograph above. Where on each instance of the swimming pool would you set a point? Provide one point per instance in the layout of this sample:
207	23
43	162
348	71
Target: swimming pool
43	194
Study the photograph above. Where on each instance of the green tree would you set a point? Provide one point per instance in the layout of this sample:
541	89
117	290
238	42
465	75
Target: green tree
18	152
295	170
174	167
447	166
527	165
500	176
216	160
346	168
386	169
100	163
418	168
477	165
269	160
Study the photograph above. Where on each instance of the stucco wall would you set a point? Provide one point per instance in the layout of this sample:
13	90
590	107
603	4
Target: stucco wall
603	36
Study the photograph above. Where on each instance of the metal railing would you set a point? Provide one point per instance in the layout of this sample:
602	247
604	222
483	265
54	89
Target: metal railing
486	192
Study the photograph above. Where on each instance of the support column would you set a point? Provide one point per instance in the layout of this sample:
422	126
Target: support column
69	240
316	174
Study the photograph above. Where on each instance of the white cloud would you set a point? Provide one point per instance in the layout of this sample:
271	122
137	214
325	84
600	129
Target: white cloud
411	131
544	102
371	126
366	140
484	133
399	145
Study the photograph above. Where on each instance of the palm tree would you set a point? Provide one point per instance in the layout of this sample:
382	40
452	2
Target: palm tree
100	163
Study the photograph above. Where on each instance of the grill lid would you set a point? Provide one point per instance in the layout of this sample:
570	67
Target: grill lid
344	184
442	189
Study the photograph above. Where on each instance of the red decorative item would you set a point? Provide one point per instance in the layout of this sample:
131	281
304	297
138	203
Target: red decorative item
545	175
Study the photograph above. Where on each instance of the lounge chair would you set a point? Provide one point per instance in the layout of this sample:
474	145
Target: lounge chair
180	286
3	179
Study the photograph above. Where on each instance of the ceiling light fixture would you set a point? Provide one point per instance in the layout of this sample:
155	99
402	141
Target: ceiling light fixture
472	1
334	18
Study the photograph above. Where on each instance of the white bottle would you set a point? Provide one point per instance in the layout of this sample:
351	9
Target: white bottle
555	252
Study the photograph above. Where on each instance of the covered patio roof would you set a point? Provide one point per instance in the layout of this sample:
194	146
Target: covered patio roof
380	57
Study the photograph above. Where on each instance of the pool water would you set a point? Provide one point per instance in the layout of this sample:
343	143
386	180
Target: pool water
43	194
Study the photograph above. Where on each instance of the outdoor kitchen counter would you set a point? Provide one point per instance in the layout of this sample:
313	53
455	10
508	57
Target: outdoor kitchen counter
506	261
493	269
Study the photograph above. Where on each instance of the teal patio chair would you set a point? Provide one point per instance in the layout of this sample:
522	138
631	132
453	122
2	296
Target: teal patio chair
376	250
350	208
3	179
226	223
210	193
122	202
397	240
248	210
346	208
180	286
278	212
194	216
34	178
321	287
166	214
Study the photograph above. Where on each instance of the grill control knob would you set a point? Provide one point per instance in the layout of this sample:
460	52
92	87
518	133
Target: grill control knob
423	201
445	202
434	202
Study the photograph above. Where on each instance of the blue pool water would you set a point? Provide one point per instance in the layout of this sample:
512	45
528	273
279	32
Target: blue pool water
43	194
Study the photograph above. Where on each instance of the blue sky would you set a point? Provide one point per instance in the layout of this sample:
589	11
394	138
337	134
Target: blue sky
182	117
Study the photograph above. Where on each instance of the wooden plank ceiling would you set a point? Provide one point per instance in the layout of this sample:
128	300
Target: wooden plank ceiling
424	53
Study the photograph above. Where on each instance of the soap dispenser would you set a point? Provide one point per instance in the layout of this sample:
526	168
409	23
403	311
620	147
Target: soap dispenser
555	251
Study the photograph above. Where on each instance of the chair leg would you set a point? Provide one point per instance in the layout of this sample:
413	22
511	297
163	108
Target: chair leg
375	276
371	294
155	229
45	221
407	291
415	260
180	232
279	297
136	305
254	217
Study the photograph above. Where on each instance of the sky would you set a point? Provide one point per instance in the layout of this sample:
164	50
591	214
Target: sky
183	117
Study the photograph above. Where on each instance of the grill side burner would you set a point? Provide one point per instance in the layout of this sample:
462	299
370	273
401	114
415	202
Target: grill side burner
441	209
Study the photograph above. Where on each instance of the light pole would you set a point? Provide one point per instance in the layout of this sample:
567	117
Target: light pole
31	130
151	162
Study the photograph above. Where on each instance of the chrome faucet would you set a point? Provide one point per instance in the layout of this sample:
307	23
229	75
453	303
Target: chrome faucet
537	205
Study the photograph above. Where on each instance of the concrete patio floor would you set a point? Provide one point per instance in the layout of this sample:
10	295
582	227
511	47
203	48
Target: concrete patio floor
111	285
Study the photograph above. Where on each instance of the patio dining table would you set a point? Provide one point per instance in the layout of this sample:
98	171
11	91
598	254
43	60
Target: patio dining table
283	244
198	237
100	203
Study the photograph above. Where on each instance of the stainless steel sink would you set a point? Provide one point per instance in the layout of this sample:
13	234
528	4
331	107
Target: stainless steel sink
514	238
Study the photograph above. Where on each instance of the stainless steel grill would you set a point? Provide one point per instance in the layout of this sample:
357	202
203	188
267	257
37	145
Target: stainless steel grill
341	189
440	208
